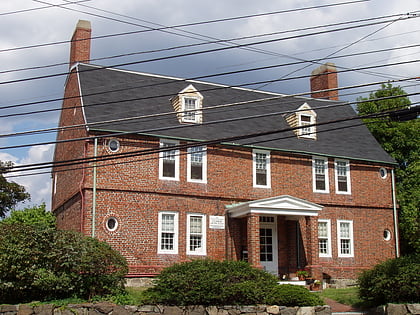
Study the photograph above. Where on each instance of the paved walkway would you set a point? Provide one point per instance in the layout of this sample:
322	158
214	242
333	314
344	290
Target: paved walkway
341	308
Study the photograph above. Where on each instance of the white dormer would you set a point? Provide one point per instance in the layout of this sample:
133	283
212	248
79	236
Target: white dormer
303	120
188	104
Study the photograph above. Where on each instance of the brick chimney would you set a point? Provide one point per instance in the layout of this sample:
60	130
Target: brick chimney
324	78
80	43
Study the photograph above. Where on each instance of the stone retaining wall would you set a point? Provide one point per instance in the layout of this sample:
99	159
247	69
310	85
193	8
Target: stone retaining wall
106	308
112	309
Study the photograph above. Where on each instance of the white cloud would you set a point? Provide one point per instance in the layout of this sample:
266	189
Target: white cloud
38	186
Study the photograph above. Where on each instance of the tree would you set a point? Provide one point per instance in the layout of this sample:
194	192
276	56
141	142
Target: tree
34	216
402	141
10	192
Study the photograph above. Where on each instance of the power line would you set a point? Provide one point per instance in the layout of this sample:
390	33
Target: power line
87	125
39	8
224	141
116	134
162	27
151	97
194	44
218	74
341	49
408	16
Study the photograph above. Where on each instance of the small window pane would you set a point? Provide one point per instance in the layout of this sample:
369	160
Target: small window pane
168	222
344	230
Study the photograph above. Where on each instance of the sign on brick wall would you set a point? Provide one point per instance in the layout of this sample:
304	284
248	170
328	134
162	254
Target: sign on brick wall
217	222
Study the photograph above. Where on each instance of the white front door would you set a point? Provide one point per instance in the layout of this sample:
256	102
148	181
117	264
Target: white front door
268	244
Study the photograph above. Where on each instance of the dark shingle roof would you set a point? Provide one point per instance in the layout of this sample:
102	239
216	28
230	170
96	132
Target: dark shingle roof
110	94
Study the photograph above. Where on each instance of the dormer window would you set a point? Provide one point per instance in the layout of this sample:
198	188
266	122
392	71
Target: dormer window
188	104
190	107
306	126
303	121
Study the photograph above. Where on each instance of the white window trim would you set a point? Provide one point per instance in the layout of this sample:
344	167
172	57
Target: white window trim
328	254
327	181
203	250
161	154
351	238
176	233
197	110
348	192
204	179
254	168
312	128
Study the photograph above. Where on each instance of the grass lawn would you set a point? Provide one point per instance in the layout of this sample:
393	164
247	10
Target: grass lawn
348	296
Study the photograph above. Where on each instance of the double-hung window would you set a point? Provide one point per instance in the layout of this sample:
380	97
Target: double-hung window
306	124
197	164
196	234
261	169
168	160
168	233
345	238
320	175
342	177
190	104
324	238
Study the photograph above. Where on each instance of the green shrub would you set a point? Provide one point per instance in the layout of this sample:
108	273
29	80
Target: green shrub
209	282
44	264
293	295
393	281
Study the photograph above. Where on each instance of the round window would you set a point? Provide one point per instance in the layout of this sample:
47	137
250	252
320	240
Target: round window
383	172
114	145
387	235
111	224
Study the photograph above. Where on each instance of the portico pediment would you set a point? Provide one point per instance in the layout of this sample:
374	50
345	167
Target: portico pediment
280	205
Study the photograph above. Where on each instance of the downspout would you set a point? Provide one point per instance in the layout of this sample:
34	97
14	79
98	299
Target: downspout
394	204
95	154
82	206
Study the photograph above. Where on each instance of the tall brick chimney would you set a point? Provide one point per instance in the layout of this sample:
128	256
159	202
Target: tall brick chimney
324	78
80	43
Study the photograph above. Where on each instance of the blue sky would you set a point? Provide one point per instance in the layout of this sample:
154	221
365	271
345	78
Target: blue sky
26	23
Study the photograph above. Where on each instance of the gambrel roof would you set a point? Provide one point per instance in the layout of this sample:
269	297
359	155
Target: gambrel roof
111	94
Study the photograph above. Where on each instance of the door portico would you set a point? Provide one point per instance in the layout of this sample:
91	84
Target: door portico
262	232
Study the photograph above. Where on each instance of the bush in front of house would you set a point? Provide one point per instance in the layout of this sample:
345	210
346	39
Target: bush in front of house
392	281
42	263
210	282
293	295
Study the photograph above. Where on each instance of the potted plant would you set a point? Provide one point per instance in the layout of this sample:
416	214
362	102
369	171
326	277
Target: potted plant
302	274
316	285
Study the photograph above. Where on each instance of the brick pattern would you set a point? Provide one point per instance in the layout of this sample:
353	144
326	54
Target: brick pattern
129	189
324	78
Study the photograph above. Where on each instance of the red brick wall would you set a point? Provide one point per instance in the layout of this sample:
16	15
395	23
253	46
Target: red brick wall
130	190
68	179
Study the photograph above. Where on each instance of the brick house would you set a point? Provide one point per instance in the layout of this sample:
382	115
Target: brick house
166	170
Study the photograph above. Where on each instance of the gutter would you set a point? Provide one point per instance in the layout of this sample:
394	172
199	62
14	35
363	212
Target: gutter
95	154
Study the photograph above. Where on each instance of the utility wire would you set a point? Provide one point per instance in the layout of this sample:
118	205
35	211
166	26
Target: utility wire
169	95
195	44
210	50
149	29
224	141
343	48
87	125
40	8
116	134
215	75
